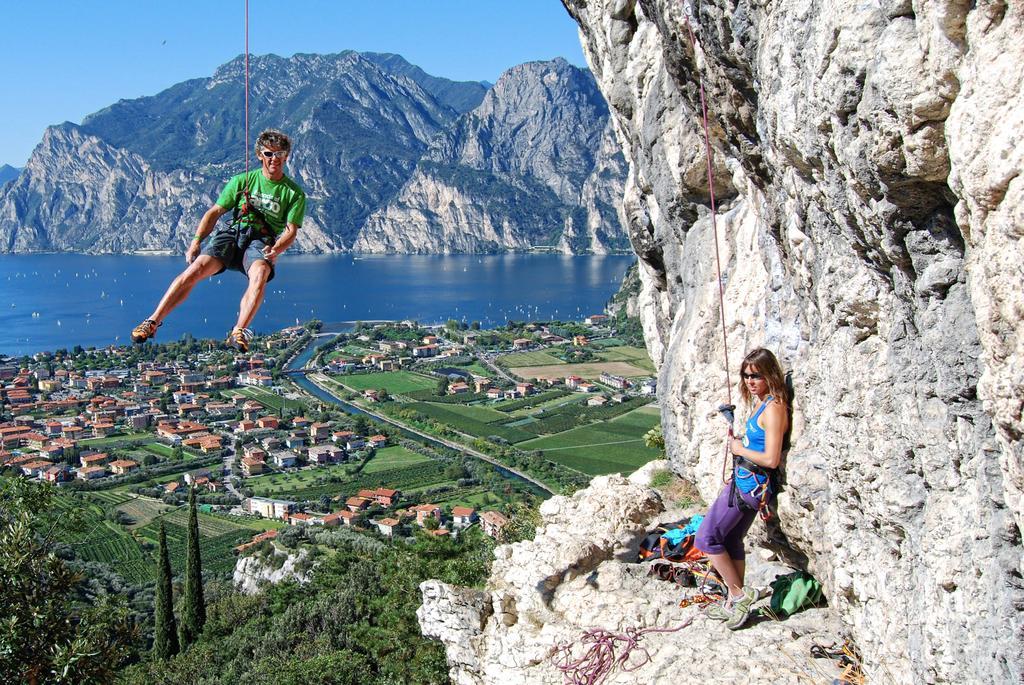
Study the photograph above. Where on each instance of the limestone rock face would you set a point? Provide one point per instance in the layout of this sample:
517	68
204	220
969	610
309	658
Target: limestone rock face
580	573
252	572
867	163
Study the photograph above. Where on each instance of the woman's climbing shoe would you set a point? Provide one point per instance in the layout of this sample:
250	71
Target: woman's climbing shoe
145	330
739	612
718	611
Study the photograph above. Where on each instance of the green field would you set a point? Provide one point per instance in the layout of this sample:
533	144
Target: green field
478	369
547	406
395	382
143	510
357	350
606	342
86	530
637	356
281	484
542	400
159	449
448	415
84	527
536	358
476	413
218	536
614	446
311	484
269	399
97	443
464	497
389	458
107	498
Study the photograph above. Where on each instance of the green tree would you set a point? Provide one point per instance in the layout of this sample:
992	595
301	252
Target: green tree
46	635
655	439
165	633
193	612
456	471
442	385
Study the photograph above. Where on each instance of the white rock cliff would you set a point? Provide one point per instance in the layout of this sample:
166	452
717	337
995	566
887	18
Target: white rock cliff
867	169
253	572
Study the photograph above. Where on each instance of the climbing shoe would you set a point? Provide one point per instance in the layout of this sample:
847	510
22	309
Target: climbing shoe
239	338
718	611
145	330
739	612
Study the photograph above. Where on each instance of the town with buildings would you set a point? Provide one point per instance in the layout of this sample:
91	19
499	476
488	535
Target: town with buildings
135	432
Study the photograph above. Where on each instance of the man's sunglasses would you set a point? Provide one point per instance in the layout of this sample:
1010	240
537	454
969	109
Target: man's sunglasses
751	376
274	154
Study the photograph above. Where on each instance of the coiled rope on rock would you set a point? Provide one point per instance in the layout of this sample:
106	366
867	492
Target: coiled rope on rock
600	659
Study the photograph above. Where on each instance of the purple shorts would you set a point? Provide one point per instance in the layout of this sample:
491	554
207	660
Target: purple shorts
724	527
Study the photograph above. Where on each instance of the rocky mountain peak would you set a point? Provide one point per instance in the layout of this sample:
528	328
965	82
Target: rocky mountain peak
361	125
539	145
8	173
537	120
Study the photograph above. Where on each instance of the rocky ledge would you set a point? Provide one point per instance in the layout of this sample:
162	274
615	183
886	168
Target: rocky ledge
253	572
580	573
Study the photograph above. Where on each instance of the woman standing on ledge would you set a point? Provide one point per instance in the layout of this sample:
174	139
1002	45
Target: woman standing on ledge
755	458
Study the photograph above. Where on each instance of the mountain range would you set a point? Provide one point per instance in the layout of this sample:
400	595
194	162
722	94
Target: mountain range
392	159
8	173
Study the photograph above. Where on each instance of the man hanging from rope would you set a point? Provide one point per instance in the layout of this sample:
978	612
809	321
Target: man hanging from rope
268	210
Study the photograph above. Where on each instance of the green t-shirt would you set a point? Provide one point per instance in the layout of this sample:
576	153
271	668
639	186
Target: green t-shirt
281	202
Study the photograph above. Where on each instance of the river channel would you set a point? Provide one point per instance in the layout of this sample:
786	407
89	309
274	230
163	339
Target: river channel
329	331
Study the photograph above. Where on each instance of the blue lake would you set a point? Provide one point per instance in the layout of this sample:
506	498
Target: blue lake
61	300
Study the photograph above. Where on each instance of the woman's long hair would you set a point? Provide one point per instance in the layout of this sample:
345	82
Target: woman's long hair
768	366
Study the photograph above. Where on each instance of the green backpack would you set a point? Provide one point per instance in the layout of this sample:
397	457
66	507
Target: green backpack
794	592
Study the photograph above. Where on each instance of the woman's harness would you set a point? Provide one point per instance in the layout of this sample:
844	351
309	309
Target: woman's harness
762	492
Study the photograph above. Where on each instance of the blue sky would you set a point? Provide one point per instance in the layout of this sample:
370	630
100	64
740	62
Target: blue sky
64	59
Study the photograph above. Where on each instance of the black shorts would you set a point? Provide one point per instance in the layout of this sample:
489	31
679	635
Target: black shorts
224	246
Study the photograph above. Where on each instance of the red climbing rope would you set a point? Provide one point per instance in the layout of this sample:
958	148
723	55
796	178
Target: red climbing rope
714	230
246	86
600	659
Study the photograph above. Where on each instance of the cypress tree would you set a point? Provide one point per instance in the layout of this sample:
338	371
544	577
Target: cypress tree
193	613
165	637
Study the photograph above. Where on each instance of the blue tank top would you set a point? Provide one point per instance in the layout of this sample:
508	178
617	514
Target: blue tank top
753	439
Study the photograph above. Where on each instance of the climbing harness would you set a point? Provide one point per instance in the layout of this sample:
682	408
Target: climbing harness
762	492
599	659
249	223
